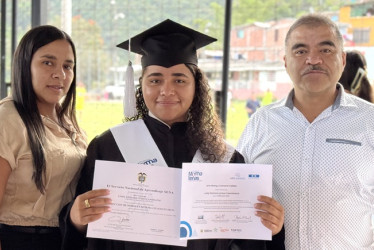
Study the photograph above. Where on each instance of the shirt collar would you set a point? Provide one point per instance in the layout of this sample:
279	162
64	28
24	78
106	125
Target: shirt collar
174	126
52	124
155	117
343	99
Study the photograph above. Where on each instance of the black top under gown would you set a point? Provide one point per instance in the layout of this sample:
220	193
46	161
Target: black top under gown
174	149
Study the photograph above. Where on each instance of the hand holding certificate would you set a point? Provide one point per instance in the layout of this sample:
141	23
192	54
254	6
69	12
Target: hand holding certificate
218	200
161	205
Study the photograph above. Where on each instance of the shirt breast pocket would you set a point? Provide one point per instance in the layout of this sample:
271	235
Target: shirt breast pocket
341	160
343	141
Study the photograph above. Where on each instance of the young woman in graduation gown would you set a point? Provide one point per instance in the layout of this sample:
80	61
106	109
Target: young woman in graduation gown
174	104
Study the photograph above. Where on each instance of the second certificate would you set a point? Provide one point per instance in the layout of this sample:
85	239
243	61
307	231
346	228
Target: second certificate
218	199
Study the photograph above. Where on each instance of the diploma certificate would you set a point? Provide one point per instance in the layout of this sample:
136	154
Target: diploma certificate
146	203
217	200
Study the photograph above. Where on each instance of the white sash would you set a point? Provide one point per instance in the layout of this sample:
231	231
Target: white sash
137	145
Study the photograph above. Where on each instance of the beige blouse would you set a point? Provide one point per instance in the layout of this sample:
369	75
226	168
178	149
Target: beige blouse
23	204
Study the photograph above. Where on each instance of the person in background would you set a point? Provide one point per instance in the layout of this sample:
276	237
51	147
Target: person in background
252	105
267	98
42	148
176	113
354	78
320	141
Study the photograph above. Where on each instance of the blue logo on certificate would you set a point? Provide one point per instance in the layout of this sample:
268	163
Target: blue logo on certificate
254	176
194	175
185	229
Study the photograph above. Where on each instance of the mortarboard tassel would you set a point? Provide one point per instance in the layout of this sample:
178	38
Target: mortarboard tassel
129	101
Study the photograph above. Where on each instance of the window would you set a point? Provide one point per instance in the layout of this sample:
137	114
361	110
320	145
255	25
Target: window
240	33
361	35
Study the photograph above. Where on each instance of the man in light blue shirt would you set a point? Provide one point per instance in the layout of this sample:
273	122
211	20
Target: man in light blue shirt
320	141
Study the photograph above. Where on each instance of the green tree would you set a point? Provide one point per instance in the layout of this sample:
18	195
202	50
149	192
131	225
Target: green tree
93	60
249	11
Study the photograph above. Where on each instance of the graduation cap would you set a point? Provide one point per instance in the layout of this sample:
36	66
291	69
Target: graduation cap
167	44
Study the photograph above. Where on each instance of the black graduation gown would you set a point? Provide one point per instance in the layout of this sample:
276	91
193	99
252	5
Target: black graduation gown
173	147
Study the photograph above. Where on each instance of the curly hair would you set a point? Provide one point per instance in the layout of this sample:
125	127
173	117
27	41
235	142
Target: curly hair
204	130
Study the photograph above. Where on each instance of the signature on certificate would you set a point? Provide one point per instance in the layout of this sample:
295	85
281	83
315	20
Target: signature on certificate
119	219
219	216
243	217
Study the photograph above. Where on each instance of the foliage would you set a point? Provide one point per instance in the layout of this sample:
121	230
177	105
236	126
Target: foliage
249	11
98	26
93	60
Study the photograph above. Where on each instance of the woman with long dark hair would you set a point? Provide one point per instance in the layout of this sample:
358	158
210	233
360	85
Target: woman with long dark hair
42	148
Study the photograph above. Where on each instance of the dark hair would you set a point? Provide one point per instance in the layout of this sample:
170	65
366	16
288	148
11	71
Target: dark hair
25	98
354	61
315	20
204	130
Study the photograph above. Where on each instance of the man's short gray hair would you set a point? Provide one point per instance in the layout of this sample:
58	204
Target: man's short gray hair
315	20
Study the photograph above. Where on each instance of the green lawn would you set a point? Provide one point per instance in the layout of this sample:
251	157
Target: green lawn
99	116
237	118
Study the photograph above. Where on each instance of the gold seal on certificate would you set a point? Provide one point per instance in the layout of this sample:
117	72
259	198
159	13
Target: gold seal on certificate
142	177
